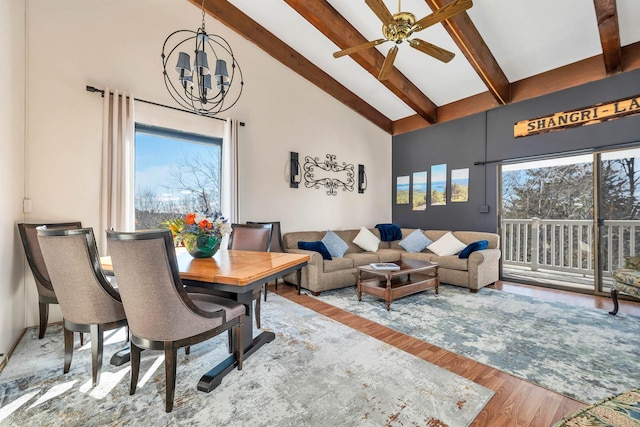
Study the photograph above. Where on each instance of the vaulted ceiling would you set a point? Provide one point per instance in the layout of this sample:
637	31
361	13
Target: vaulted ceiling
505	51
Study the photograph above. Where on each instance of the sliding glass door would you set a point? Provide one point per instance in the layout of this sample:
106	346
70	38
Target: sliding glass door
619	211
569	222
547	216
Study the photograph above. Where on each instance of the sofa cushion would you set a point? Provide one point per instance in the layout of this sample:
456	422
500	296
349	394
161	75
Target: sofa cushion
337	264
367	240
336	246
415	242
362	258
451	262
316	247
389	255
422	256
472	247
446	245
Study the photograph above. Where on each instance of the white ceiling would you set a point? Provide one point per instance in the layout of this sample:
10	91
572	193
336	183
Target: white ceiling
526	37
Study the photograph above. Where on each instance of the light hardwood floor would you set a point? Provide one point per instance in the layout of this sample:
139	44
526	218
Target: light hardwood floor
516	402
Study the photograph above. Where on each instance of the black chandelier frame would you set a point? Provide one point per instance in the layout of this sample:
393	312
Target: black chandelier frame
194	97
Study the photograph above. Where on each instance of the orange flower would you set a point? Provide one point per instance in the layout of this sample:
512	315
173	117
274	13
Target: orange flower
204	224
190	218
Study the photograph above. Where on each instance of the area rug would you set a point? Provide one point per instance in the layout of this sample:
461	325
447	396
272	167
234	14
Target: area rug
583	353
622	410
317	372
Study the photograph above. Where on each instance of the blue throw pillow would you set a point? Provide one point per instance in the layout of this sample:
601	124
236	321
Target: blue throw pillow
475	246
415	242
316	247
335	245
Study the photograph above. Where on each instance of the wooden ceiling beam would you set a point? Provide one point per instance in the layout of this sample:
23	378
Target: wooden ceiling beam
608	26
466	36
571	75
242	24
336	28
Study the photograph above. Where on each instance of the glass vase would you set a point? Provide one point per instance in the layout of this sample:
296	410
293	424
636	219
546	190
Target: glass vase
202	246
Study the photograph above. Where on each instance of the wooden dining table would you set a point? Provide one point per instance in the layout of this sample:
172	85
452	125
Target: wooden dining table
236	273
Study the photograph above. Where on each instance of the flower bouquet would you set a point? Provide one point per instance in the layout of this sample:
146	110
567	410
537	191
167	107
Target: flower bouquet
199	233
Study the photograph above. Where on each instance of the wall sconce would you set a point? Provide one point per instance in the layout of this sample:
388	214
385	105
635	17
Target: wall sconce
294	171
362	179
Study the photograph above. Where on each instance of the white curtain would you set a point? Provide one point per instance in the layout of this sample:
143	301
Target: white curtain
229	196
116	186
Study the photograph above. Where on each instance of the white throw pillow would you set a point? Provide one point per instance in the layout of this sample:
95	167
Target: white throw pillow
366	240
415	242
446	245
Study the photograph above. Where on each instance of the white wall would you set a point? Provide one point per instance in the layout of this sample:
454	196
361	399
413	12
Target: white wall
12	263
117	43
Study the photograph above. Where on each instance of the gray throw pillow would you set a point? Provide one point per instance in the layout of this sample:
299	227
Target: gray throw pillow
415	242
335	245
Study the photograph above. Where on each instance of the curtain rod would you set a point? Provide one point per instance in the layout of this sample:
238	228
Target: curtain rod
561	153
94	89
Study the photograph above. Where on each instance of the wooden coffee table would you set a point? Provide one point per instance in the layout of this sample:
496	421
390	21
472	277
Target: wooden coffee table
393	284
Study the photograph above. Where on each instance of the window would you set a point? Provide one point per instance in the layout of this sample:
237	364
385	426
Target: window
175	173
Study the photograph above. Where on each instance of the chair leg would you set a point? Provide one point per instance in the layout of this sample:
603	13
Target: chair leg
187	350
239	348
170	356
68	349
44	318
614	298
135	367
265	292
257	312
81	338
230	335
97	344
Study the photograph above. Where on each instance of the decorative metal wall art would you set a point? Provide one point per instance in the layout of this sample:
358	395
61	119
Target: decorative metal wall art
313	175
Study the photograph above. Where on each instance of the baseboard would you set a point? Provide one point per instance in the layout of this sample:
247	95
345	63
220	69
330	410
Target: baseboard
5	357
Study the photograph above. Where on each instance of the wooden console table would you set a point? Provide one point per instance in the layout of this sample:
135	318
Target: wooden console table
393	284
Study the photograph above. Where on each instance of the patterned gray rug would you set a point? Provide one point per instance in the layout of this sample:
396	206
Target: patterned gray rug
317	372
583	353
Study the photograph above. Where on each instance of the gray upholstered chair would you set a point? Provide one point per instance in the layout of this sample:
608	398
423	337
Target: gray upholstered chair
276	244
46	295
161	314
88	301
252	237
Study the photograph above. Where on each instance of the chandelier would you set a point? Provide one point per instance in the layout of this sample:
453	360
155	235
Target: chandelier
197	87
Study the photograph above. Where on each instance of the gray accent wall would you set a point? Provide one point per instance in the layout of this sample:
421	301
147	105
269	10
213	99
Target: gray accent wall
489	137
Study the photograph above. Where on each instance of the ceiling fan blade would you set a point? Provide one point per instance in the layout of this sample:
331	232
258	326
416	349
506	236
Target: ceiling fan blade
380	10
387	65
431	49
350	50
443	13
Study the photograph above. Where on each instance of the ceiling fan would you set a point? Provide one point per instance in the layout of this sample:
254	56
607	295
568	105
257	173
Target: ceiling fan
400	26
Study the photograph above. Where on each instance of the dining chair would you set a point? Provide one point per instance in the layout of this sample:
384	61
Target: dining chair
276	244
162	314
46	294
88	301
252	237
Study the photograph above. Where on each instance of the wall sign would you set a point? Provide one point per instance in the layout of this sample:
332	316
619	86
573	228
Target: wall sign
583	117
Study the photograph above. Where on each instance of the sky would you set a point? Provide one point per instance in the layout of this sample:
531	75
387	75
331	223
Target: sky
154	156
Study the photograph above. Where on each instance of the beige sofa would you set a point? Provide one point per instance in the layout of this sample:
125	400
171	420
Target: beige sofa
479	270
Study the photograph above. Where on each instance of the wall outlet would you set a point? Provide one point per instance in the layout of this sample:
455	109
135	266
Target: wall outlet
26	205
484	209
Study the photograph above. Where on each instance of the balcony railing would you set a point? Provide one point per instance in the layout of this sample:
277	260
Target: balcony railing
567	245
